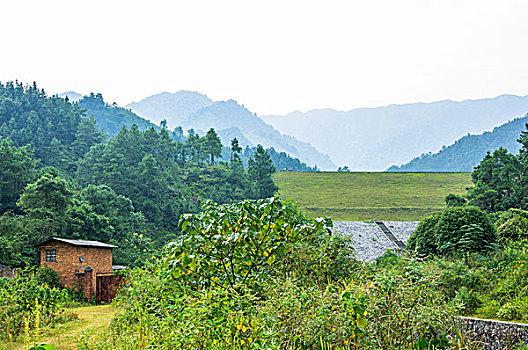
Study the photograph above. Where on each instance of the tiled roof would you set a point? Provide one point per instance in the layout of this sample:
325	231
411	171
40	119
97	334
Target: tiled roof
80	243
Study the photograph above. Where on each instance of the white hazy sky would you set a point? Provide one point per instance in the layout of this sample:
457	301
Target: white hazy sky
272	56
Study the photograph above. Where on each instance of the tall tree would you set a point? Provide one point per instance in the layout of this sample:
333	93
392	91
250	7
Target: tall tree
260	168
86	136
235	150
212	145
496	179
46	203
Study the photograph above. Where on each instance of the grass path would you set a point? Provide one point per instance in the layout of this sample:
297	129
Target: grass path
65	336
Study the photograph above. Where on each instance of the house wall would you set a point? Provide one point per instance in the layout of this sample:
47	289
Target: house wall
68	264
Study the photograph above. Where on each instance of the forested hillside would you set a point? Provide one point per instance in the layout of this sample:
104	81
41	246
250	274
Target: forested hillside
192	110
111	119
468	151
60	176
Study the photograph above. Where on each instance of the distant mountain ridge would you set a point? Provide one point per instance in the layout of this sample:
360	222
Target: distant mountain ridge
175	108
372	139
468	151
71	95
192	110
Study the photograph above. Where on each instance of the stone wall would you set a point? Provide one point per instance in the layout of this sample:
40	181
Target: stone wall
495	334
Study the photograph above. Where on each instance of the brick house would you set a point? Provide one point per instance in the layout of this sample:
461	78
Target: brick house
83	265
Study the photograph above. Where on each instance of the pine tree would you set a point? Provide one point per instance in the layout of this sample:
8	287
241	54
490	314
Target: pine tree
260	168
212	145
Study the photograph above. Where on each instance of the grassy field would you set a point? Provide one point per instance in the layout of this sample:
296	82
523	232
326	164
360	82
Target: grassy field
371	196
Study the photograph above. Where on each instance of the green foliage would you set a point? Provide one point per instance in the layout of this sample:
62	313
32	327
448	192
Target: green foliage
50	125
17	169
423	239
454	200
508	295
163	178
501	180
457	230
110	118
212	145
464	229
303	299
233	245
46	203
322	259
48	276
42	347
511	224
26	303
15	235
260	169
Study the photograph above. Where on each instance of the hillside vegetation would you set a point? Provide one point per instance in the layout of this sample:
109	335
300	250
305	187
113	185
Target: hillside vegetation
468	151
371	196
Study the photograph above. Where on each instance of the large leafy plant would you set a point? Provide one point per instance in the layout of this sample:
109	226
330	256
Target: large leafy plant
232	245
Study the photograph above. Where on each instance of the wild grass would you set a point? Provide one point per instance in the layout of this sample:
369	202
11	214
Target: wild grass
371	196
91	319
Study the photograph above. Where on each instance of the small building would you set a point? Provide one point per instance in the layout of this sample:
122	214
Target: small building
82	265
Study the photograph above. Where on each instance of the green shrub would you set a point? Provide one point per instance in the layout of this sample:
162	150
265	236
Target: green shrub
423	239
464	229
454	200
236	244
46	275
455	231
515	227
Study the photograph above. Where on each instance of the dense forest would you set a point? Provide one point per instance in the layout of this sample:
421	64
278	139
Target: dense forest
62	176
468	151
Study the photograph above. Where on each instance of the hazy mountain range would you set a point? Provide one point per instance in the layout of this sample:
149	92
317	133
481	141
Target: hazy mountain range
192	110
376	138
469	151
365	139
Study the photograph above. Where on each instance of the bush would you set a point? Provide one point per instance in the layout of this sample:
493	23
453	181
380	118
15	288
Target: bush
423	239
512	225
48	276
456	230
454	200
305	290
464	229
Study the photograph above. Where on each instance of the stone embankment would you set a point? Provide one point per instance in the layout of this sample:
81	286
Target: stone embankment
494	335
369	240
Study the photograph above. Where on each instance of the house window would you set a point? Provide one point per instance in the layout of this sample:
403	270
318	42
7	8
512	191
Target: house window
51	255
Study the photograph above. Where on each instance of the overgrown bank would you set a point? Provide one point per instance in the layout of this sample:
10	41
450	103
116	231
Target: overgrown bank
262	275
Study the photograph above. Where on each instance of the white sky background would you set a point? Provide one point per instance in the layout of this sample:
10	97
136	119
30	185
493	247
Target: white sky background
272	56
